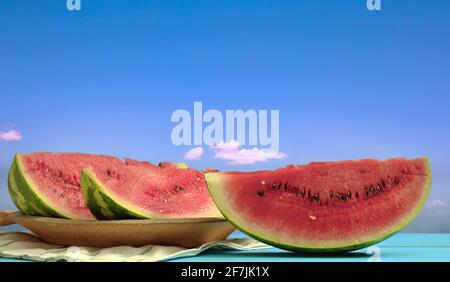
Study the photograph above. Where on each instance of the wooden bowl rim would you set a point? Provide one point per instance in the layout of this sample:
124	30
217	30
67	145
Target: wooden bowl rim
19	216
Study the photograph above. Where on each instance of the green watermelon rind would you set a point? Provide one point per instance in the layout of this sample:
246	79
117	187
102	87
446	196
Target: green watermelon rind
26	196
178	165
182	165
102	204
213	178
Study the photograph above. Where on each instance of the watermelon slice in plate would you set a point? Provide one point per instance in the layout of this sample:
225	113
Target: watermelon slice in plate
119	191
48	184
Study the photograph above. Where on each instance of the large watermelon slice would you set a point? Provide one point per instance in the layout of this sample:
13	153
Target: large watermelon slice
48	184
324	207
170	190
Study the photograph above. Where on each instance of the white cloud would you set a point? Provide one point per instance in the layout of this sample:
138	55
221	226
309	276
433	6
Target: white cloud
437	203
232	152
194	153
10	135
224	146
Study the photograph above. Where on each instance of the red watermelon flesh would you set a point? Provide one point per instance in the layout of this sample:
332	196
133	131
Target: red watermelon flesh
324	206
147	192
48	184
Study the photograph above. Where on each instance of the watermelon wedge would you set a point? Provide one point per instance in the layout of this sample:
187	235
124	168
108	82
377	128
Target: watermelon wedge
146	191
326	206
48	184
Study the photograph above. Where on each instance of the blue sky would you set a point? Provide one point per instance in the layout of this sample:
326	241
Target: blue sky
349	83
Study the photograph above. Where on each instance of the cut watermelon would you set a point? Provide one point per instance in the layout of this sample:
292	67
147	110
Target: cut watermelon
48	184
324	207
173	165
118	191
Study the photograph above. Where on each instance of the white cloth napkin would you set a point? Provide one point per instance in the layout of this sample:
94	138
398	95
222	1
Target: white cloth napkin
28	246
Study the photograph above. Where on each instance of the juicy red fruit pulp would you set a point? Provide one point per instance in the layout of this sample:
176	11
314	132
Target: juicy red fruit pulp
162	190
334	201
57	177
168	191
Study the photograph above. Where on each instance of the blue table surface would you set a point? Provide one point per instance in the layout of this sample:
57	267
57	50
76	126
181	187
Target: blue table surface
402	247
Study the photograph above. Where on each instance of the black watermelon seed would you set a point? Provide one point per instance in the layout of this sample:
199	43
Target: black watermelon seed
378	188
338	196
316	197
343	197
286	186
179	188
349	195
383	184
366	191
260	193
371	189
331	194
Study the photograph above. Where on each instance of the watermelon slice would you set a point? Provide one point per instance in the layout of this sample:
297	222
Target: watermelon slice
324	207
120	191
48	184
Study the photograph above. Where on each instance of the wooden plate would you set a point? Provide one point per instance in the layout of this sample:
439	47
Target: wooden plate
186	233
